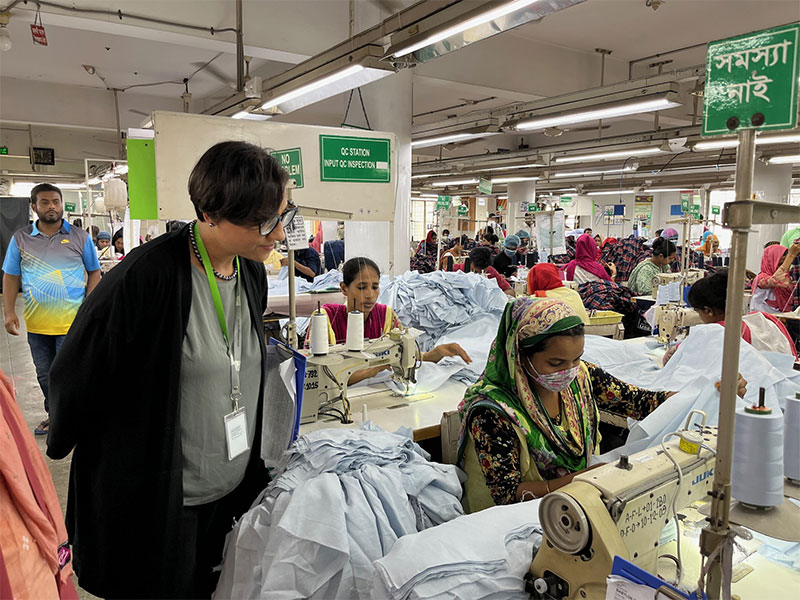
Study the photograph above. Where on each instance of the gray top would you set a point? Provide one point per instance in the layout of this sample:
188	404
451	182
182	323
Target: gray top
206	389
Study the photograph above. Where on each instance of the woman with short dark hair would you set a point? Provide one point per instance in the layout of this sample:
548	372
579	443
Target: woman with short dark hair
159	388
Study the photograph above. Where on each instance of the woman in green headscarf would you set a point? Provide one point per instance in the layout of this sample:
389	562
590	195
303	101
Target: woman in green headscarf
531	422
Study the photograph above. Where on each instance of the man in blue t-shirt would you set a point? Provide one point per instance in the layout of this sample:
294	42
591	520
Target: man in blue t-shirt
50	259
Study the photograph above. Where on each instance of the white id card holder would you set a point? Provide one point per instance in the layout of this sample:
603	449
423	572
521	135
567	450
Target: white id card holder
236	433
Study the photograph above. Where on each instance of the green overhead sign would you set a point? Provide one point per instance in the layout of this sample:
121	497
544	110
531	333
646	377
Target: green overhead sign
686	201
485	186
751	81
715	210
463	210
69	206
443	203
354	159
292	161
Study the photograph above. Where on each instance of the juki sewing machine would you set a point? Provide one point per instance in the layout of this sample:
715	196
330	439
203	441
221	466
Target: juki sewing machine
692	275
672	320
617	510
327	375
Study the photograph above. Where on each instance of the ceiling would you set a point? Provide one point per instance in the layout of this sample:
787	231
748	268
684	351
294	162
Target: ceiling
551	57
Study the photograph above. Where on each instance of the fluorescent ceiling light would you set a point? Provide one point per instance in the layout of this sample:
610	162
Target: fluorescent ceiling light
611	192
121	169
784	160
627	169
605	155
513	179
451	137
485	17
23	188
620	109
502	197
455	182
786	138
429	195
532	165
314	85
243	114
342	80
658	190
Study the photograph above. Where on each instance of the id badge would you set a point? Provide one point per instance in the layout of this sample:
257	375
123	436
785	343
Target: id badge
236	433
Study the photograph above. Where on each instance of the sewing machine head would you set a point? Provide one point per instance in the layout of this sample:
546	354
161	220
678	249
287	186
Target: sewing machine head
327	375
672	320
690	277
619	509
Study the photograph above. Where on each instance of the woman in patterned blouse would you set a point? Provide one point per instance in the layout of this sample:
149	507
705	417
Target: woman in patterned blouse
531	422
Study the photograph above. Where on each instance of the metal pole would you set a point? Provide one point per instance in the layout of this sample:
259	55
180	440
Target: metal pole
119	129
717	530
438	238
291	328
239	48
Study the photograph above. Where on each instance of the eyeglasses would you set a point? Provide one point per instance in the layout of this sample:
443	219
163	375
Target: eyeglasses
285	219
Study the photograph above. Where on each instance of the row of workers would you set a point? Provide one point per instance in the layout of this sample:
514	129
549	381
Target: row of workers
183	316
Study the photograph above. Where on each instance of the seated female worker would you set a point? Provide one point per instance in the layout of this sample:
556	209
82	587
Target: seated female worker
772	287
361	287
759	329
640	280
480	261
544	282
585	267
530	424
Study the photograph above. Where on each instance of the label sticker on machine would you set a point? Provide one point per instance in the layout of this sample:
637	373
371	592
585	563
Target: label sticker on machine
354	159
648	514
296	234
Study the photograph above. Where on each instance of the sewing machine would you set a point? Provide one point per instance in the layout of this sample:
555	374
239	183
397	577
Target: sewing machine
673	319
327	375
692	275
617	510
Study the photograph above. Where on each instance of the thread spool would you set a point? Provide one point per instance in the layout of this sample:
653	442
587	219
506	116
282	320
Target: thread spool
757	474
319	332
355	331
791	438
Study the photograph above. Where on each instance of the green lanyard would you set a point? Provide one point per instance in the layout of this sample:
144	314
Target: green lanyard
234	353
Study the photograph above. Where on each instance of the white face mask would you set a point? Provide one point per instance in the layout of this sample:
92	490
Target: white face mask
553	382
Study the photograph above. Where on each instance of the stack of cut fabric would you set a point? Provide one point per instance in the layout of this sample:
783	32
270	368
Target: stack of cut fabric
279	286
439	302
479	556
341	501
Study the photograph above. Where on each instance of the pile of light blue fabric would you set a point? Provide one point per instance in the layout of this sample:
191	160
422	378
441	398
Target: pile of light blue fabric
279	286
448	307
483	555
342	498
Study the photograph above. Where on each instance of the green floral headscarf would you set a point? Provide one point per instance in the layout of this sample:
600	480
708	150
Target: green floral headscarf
504	387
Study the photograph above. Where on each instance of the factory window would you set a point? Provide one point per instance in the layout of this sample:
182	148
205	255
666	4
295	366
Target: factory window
422	218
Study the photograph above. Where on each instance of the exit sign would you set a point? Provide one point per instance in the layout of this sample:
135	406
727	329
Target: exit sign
3	150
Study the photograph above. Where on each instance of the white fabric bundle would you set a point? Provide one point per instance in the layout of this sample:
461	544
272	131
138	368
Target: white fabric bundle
693	371
345	497
481	555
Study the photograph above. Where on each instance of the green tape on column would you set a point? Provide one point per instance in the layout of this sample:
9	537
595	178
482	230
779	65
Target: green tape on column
142	179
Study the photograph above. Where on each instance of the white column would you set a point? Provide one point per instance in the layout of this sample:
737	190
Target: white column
774	182
388	104
523	191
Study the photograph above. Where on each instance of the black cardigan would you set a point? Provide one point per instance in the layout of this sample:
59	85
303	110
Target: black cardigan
115	399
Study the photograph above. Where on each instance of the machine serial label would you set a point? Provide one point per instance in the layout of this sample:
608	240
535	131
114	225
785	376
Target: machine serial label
311	374
649	513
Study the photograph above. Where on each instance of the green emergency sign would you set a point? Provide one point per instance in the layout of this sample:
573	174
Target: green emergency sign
485	186
715	210
69	206
292	161
443	203
751	81
354	159
463	210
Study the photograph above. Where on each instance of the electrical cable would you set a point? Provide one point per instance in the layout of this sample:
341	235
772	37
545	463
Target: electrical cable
677	558
120	15
670	160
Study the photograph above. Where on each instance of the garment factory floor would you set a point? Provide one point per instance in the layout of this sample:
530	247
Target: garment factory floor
17	364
